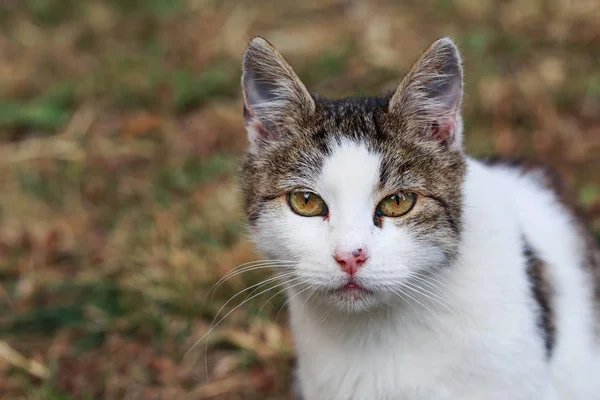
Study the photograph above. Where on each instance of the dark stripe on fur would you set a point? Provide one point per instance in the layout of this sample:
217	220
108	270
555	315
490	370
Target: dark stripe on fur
592	263
542	293
255	213
384	173
454	225
257	208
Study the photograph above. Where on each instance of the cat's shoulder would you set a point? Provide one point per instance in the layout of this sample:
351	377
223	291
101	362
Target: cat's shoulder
535	172
541	178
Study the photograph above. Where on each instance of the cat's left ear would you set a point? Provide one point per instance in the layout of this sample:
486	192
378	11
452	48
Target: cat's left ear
429	98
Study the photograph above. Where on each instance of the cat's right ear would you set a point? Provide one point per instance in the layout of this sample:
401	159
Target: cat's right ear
274	96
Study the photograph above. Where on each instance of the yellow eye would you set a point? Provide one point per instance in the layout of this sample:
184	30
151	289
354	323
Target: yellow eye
307	204
397	204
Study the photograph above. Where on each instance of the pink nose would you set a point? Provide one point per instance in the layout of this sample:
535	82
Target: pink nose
350	261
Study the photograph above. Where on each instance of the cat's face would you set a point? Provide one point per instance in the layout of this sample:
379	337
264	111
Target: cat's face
363	196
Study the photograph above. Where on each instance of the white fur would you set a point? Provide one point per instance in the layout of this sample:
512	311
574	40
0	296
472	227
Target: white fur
477	338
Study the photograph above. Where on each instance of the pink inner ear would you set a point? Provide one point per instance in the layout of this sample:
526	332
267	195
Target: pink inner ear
257	131
442	130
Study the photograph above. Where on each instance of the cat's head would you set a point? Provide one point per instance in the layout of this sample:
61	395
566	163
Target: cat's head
362	195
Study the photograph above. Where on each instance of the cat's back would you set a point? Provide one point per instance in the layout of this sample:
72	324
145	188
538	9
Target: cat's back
562	267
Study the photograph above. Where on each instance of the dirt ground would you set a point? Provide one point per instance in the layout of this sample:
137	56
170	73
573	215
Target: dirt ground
120	133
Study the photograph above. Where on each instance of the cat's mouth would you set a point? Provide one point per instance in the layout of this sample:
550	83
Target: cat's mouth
353	288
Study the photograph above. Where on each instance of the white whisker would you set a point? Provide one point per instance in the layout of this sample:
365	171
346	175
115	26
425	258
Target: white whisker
250	266
257	285
279	292
214	326
430	278
435	299
288	300
237	272
401	294
420	303
324	316
433	291
304	304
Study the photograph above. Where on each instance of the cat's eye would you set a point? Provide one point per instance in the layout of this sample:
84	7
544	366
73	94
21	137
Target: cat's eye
397	204
307	204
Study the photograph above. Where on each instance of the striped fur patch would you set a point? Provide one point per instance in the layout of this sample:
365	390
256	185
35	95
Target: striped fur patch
537	272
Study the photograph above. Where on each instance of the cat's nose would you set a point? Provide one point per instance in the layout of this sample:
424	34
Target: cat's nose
350	261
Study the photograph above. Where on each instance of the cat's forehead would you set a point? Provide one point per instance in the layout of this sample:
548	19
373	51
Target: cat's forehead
339	133
360	119
350	167
343	135
353	105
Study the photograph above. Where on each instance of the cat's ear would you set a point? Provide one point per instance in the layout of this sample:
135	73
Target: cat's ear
429	97
274	96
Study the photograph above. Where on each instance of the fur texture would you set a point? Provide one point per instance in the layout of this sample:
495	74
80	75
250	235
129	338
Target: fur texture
485	289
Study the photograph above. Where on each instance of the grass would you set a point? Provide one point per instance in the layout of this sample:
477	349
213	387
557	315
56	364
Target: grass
120	133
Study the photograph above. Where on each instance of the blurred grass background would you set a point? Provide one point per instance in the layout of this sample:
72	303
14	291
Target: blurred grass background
120	132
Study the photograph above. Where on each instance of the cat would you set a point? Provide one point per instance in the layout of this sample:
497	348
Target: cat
412	270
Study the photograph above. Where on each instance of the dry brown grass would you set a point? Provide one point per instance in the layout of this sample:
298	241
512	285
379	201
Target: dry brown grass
120	131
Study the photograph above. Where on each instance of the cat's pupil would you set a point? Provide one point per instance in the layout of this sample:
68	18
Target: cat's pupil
398	198
306	198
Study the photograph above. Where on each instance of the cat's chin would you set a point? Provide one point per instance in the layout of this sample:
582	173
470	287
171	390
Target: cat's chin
352	298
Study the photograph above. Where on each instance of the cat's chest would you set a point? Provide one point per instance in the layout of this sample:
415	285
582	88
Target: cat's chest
403	373
383	369
412	361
